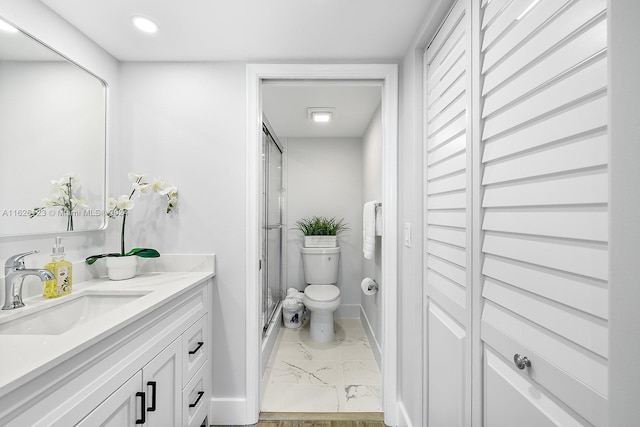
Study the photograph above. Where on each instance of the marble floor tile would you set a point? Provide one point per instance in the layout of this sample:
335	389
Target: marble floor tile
361	398
306	351
302	398
364	372
356	351
327	372
339	376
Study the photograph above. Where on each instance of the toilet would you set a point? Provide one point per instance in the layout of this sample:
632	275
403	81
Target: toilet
321	296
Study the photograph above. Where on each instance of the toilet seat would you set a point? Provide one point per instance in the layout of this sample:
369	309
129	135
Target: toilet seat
322	293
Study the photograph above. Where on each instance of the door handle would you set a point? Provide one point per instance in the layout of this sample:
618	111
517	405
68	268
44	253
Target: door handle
521	361
152	384
143	412
200	394
195	350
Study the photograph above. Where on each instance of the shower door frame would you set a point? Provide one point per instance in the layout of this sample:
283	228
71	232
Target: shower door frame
266	261
387	76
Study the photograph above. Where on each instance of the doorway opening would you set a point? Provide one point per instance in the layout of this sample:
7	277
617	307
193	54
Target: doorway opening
385	77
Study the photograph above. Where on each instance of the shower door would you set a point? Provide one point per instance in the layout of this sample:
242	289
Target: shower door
272	287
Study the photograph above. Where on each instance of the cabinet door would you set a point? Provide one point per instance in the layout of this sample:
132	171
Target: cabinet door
448	244
122	408
162	383
545	214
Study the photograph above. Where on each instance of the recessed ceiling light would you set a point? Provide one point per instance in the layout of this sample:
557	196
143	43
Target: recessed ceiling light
4	26
320	114
144	24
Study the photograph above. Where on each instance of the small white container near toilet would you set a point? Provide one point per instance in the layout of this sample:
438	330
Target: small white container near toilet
321	296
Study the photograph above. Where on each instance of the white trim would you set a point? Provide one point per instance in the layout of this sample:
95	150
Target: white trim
368	329
404	419
387	74
226	411
624	202
476	280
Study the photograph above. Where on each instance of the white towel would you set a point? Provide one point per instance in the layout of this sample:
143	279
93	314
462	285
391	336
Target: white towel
369	229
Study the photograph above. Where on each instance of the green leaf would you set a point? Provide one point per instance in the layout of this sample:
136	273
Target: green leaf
143	253
93	258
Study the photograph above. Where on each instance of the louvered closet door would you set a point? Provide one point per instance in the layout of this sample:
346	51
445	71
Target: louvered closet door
448	244
544	206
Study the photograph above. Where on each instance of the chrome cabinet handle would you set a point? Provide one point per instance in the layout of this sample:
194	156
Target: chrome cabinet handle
521	361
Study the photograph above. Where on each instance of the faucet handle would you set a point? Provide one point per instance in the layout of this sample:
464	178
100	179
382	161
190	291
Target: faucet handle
16	261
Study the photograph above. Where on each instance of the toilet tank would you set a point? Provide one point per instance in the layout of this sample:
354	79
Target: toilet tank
320	265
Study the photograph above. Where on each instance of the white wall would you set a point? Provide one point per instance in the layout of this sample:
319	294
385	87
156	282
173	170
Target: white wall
372	190
36	19
186	123
325	179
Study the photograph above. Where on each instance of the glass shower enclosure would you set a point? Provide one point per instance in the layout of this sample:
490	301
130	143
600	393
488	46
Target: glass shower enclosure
272	228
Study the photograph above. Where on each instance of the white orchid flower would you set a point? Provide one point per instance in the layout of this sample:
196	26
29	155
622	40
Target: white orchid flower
169	191
124	202
111	203
134	177
158	185
47	202
80	202
141	187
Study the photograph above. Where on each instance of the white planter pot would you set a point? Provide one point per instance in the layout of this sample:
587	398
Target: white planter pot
320	241
121	267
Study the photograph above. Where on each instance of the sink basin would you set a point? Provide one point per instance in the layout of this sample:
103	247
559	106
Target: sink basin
67	313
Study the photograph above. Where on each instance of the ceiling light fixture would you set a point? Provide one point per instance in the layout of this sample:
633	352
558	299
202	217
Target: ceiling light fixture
5	26
320	114
144	24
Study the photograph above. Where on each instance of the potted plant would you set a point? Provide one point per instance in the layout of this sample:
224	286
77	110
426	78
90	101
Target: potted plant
320	231
122	265
64	195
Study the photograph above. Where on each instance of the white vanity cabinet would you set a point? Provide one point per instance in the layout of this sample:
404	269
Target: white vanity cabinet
155	396
153	371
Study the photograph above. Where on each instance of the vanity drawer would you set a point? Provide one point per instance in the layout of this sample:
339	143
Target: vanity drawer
195	347
195	400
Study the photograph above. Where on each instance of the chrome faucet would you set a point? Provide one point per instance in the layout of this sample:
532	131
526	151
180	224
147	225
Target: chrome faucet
14	274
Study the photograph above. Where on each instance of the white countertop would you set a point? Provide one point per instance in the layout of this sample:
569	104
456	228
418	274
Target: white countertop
25	357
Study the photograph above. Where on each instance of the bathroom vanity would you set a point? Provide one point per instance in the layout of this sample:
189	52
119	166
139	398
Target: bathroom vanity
134	352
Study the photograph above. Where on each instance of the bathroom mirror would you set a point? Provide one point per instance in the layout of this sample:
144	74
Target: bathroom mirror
52	126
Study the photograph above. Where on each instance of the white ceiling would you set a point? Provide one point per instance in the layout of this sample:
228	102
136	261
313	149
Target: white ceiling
285	106
264	31
195	30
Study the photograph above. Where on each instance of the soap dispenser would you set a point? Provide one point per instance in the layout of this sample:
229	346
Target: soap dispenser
61	269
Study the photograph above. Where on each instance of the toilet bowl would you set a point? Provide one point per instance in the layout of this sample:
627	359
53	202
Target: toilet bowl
322	301
321	296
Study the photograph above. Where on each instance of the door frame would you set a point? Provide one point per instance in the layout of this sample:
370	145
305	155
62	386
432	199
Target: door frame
387	74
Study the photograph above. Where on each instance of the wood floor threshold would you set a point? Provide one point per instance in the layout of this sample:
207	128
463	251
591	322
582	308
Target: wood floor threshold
321	416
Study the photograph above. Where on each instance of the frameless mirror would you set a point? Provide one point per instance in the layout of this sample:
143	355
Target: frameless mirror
52	129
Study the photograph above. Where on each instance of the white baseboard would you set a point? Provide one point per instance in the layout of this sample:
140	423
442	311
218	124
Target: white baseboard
230	411
404	420
375	345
